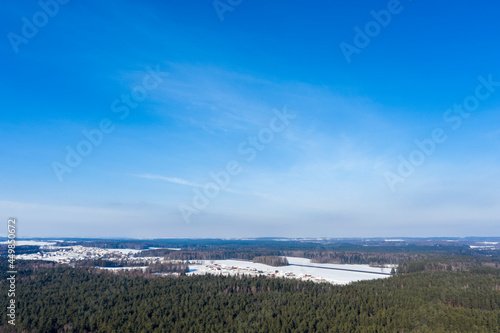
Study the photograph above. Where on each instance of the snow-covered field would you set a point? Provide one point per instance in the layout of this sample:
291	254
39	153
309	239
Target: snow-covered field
125	251
31	242
167	248
123	268
318	273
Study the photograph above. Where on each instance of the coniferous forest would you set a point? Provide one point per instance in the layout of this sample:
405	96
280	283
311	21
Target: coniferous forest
58	298
271	260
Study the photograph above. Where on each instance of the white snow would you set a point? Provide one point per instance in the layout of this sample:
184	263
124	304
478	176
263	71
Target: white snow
318	273
31	242
166	248
123	268
125	251
481	246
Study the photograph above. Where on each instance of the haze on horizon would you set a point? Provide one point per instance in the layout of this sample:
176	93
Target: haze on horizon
184	119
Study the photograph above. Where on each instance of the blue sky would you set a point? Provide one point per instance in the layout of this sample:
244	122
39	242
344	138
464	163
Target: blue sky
345	163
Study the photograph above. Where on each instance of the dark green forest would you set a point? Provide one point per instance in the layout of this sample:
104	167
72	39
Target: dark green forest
271	260
430	298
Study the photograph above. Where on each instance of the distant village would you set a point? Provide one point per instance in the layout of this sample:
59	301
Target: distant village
71	254
221	269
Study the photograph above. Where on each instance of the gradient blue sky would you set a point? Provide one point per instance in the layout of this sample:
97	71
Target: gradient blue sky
324	175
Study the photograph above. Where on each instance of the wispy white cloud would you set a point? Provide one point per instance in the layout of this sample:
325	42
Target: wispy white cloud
173	180
179	181
211	99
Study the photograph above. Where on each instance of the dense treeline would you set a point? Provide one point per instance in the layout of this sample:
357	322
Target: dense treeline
115	263
355	257
167	267
271	260
21	249
334	257
153	253
220	254
448	263
153	267
64	299
456	262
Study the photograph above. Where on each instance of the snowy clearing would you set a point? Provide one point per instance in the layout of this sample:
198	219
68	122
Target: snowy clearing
318	273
